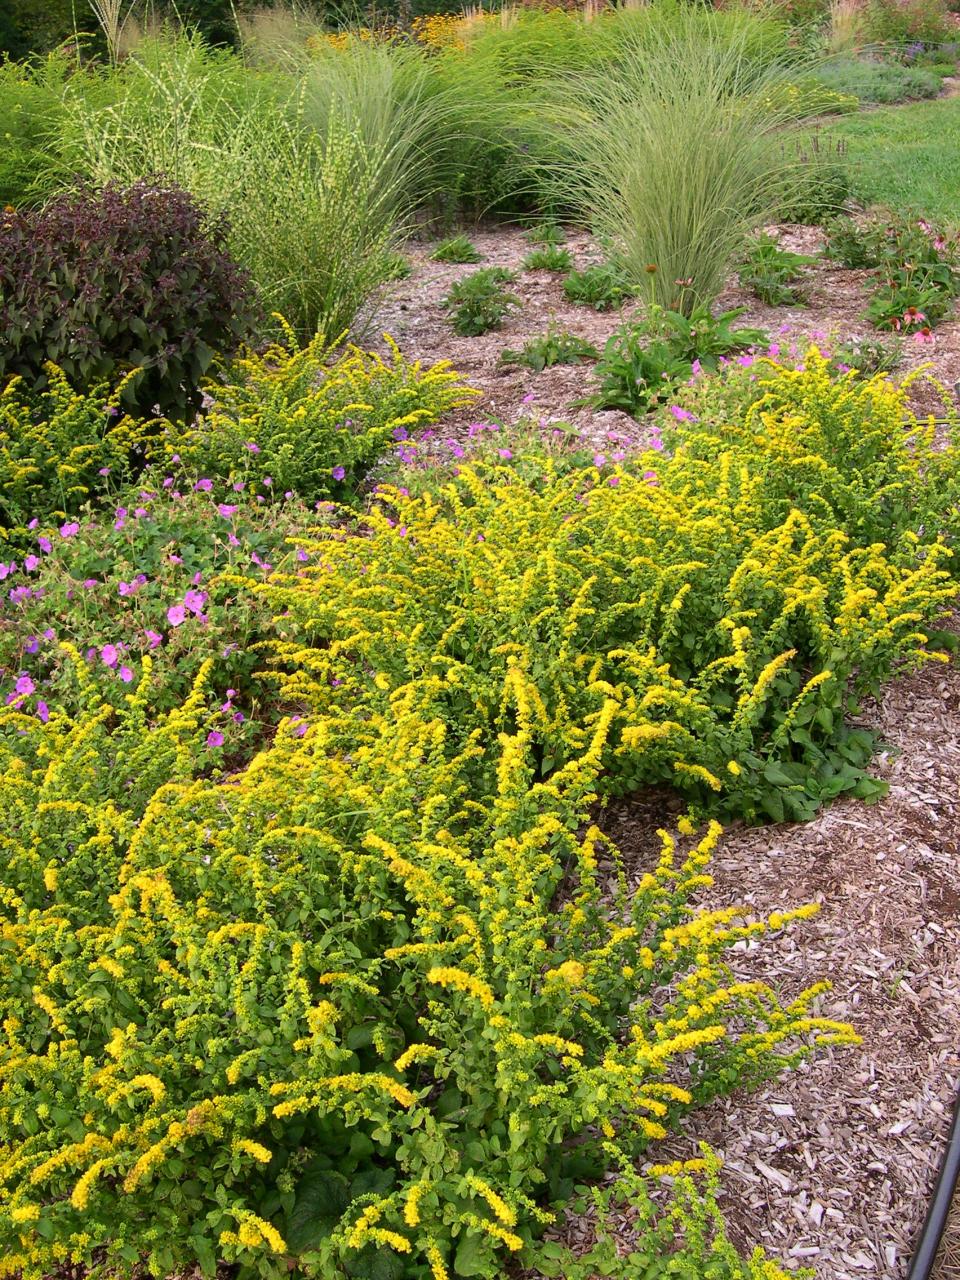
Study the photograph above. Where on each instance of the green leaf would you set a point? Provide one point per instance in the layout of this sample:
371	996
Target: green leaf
473	1257
322	1195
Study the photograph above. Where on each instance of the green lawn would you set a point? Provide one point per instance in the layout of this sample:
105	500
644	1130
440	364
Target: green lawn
907	158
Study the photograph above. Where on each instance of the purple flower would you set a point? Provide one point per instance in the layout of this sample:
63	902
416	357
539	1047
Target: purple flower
140	512
43	711
214	738
104	471
4	570
505	453
195	600
400	433
69	529
176	614
455	448
109	655
238	717
89	583
302	555
30	563
153	638
599	459
204	485
32	645
46	546
126	675
24	686
254	448
268	481
682	415
121	519
338	472
225	509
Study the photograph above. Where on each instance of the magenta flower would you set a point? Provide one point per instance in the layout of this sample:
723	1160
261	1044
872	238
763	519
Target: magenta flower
505	453
682	415
650	477
43	711
121	519
46	546
254	448
69	529
225	509
613	481
195	600
24	686
126	675
4	570
599	459
30	563
153	638
32	645
109	655
302	555
204	485
214	738
176	614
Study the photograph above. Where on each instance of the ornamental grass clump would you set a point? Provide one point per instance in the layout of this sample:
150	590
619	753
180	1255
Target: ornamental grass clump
313	204
330	1010
677	158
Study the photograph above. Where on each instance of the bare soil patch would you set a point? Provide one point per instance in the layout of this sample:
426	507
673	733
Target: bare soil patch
412	312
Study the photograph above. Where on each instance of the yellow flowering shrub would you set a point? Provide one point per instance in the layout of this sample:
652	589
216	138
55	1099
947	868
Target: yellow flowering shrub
332	1008
718	627
314	418
57	445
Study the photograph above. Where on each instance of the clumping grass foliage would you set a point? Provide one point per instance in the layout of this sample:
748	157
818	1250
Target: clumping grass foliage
676	159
